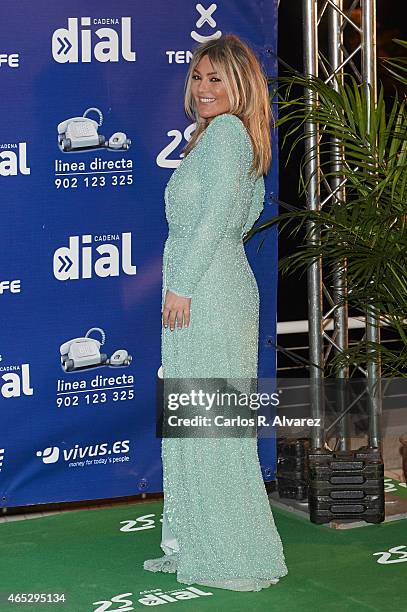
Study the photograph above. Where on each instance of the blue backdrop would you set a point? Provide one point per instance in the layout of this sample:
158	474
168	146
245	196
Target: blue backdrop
82	234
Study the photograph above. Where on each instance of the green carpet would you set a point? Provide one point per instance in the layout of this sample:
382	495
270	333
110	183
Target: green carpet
395	487
97	555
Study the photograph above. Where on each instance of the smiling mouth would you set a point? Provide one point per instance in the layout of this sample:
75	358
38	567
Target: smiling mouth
206	100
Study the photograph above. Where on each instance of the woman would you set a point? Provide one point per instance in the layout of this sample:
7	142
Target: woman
218	529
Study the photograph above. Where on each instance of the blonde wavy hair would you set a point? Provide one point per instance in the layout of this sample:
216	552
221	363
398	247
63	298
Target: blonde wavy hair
247	90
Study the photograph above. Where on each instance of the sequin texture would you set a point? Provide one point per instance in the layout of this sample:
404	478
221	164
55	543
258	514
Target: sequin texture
218	529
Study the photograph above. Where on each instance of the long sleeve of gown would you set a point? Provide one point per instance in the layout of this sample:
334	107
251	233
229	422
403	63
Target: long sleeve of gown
220	176
257	205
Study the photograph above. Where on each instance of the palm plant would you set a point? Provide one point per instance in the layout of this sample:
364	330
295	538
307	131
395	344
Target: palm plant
367	228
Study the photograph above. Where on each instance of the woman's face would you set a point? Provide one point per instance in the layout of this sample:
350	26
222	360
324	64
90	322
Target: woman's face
208	90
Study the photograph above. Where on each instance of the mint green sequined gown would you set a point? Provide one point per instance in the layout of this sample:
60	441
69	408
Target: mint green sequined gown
218	529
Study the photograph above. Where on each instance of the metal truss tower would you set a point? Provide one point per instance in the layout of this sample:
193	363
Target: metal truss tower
337	16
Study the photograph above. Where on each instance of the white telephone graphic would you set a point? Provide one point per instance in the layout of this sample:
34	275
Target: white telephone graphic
84	353
82	132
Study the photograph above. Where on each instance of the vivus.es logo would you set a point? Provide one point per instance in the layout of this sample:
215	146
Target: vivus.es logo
82	258
77	453
79	42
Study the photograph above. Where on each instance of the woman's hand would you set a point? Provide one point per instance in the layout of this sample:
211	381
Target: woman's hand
176	308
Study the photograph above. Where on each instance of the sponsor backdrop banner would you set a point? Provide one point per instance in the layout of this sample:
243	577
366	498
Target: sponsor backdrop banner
92	126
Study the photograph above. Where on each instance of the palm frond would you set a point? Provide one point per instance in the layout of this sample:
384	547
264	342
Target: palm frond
367	228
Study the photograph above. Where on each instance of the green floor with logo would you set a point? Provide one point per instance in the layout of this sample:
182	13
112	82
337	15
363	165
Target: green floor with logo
95	557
